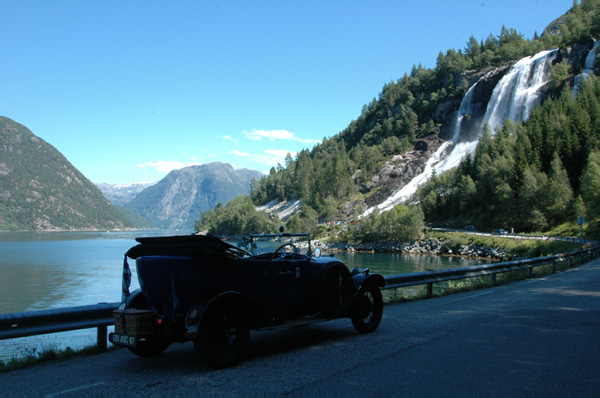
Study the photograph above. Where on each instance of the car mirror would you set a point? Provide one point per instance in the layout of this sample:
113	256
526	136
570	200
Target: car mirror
317	252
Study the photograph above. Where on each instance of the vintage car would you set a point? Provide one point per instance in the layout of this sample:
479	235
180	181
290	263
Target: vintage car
200	288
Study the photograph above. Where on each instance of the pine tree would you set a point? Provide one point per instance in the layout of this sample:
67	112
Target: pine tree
529	217
557	194
590	181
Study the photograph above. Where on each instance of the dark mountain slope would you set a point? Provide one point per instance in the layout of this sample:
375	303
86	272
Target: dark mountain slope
41	191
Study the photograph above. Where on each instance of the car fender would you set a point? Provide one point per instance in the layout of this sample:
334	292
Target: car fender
195	315
135	299
362	280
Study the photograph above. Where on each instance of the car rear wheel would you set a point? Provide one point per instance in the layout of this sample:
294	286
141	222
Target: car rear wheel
149	346
368	310
223	335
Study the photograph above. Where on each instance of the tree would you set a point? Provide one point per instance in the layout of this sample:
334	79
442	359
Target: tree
473	48
305	221
590	181
237	218
579	208
529	217
557	194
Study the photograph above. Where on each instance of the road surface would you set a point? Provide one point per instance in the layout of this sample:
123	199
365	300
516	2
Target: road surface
540	336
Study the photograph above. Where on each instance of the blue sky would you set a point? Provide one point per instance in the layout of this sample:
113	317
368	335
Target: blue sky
128	90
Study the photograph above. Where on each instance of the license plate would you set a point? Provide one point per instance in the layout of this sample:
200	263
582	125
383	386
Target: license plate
123	339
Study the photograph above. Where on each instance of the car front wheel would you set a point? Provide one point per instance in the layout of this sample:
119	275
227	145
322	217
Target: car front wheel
223	335
368	310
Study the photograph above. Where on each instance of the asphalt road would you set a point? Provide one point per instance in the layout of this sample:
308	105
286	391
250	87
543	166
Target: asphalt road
540	337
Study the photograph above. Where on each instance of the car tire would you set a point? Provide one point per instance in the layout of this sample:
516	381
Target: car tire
367	310
334	288
223	334
151	346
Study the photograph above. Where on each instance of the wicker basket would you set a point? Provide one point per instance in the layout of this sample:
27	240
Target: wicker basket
136	322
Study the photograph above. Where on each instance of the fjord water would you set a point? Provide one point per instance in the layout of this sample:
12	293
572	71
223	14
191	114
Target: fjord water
63	269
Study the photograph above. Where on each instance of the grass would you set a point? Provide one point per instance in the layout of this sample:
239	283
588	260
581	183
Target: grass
515	248
33	356
410	293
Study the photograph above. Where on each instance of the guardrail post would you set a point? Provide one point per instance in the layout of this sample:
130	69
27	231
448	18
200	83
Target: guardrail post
493	280
102	333
429	290
529	272
570	262
553	267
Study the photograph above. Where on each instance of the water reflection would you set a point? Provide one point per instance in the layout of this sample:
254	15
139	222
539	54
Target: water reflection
394	263
63	269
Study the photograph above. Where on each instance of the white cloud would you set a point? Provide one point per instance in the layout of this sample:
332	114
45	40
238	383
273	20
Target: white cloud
237	152
280	153
230	138
272	157
273	135
166	166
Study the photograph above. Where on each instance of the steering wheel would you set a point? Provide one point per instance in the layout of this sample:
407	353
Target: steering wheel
282	247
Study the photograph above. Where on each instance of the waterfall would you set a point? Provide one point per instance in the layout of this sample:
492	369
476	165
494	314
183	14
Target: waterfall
515	95
590	61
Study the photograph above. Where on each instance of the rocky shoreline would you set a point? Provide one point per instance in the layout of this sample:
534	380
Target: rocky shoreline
428	246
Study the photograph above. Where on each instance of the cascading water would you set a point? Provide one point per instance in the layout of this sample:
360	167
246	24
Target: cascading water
517	92
513	98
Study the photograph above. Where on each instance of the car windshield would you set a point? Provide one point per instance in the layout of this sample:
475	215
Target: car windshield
268	243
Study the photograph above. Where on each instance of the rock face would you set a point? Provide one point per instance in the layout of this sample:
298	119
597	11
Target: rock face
400	170
177	200
427	246
488	79
41	191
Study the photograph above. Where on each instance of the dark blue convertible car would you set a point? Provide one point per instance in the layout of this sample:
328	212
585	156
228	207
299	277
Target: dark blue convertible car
200	288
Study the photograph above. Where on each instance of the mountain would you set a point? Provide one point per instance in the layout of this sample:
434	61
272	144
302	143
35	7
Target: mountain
177	200
122	194
41	191
431	121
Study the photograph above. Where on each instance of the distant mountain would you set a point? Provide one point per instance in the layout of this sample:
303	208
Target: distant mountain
41	191
122	194
177	200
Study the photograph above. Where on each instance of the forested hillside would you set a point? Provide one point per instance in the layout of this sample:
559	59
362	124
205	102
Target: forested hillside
41	191
498	184
529	176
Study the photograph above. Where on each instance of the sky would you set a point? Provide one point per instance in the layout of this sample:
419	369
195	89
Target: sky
130	90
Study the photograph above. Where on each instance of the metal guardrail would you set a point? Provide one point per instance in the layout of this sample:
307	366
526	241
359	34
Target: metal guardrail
23	324
32	323
430	277
515	235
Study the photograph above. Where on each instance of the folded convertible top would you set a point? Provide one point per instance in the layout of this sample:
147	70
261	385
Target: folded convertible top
186	245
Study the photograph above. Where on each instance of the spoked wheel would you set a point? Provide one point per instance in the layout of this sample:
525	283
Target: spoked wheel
149	346
368	310
223	335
